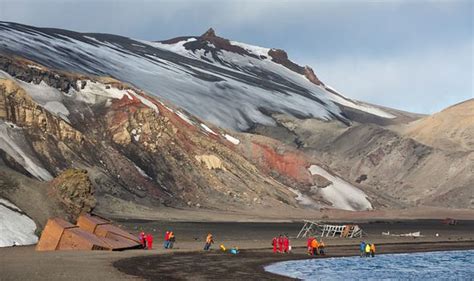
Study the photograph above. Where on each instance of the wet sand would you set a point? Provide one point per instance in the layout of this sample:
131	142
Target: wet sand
188	262
249	264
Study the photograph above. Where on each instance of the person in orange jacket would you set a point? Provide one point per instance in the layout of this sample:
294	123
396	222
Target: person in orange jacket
171	240
275	244
315	246
209	241
308	245
149	241
372	250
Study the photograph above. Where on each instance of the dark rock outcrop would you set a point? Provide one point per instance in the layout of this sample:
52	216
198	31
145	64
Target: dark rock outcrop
75	190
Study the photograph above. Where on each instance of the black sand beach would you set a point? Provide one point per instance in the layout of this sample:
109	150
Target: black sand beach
249	264
188	262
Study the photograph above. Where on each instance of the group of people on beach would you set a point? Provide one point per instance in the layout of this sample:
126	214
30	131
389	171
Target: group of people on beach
314	247
146	240
281	244
367	249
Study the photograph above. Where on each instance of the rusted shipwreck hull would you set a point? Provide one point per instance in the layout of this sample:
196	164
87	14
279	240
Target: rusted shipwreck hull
90	233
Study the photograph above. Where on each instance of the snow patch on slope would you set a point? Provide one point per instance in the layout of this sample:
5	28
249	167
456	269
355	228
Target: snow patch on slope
303	199
94	92
340	193
177	47
360	106
258	51
232	139
35	67
15	227
46	96
10	142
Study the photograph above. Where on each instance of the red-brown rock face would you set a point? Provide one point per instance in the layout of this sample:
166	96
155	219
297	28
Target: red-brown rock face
137	149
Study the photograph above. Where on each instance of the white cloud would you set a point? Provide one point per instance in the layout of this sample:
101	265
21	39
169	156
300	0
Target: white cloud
423	82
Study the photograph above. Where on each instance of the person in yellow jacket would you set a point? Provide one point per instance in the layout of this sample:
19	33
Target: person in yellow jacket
367	250
372	250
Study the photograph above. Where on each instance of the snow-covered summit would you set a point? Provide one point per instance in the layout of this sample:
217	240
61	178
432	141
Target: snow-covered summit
230	84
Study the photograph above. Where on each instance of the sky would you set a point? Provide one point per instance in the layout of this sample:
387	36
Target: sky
411	55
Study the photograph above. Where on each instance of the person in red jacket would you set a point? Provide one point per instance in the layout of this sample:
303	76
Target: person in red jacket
167	240
275	244
286	244
142	239
280	244
149	241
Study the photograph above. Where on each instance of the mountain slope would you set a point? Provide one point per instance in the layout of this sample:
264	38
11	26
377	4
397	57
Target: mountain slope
451	129
134	147
230	84
131	113
402	170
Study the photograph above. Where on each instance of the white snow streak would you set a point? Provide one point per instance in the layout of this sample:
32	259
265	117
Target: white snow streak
184	117
360	106
207	129
232	139
141	171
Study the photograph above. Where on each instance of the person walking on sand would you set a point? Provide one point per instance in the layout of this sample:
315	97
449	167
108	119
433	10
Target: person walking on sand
372	250
275	244
280	244
362	249
166	245
209	241
367	250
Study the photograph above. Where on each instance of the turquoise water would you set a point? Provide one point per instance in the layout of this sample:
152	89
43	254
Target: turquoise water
452	265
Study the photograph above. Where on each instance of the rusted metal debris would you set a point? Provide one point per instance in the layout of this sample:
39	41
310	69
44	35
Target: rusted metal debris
90	233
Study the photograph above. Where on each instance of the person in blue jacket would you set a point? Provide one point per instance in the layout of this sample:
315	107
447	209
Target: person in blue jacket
362	249
234	250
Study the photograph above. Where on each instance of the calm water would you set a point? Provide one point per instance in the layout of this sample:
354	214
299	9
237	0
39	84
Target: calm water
452	265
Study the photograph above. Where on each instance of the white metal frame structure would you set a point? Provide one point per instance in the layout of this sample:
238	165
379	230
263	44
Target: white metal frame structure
311	228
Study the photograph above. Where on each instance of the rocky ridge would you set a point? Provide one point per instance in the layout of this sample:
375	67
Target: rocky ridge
135	148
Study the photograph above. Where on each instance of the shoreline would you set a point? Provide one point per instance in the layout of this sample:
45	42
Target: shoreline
250	263
187	261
